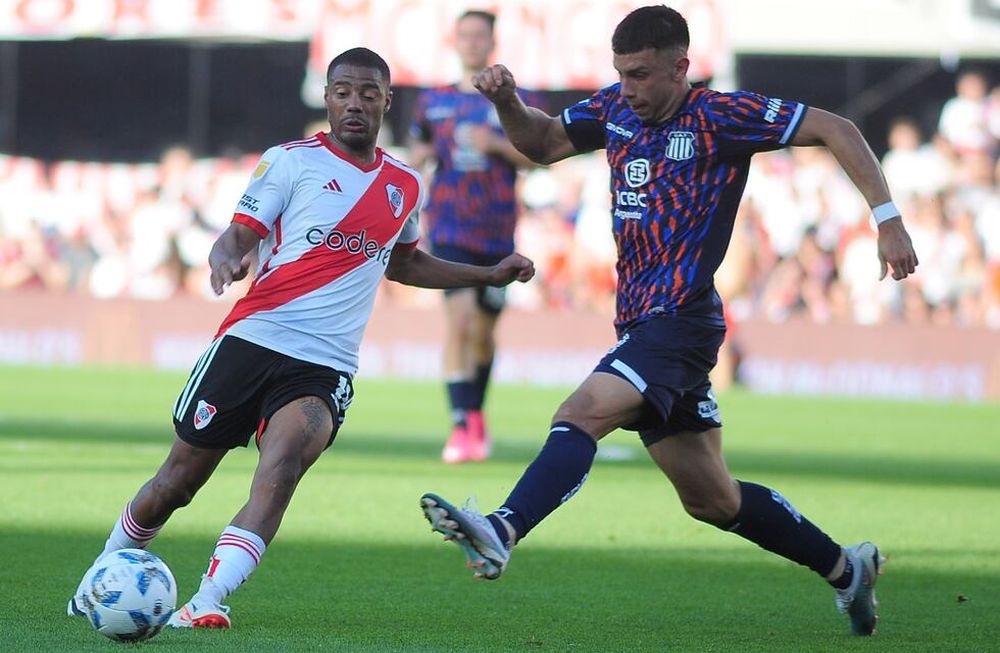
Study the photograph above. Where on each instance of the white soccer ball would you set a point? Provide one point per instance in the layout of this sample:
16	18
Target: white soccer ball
129	595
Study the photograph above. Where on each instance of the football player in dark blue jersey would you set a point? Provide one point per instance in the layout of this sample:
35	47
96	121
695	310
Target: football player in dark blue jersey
679	156
470	215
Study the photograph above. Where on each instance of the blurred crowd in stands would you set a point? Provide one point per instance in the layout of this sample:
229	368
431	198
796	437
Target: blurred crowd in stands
804	244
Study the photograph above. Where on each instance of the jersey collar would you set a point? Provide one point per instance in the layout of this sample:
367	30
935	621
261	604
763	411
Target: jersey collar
325	140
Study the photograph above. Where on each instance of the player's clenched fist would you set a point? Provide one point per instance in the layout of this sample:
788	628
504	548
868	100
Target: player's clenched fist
495	82
512	268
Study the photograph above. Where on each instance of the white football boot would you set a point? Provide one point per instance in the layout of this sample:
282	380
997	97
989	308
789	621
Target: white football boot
858	598
200	615
468	528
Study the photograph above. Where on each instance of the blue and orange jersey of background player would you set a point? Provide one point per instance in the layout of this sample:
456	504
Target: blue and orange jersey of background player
675	189
471	203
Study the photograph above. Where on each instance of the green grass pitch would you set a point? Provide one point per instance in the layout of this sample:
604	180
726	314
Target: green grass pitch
619	568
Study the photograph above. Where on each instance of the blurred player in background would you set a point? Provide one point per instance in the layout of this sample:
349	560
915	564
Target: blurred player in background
329	216
679	157
470	215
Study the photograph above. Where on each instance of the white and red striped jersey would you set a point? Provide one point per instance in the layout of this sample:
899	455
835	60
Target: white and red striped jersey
328	227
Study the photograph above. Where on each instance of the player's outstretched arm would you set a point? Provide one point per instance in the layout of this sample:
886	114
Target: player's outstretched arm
535	134
231	255
410	266
852	152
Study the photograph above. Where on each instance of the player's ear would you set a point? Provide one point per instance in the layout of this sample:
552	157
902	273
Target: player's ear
681	67
388	101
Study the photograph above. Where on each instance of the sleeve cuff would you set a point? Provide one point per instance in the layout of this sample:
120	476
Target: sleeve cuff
793	124
406	246
253	223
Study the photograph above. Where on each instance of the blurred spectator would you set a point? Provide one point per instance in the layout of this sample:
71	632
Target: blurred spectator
115	230
963	118
911	167
993	115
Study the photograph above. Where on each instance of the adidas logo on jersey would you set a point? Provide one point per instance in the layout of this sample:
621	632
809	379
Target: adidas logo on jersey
333	185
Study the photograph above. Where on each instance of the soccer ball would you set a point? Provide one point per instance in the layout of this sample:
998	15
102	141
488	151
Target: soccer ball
129	595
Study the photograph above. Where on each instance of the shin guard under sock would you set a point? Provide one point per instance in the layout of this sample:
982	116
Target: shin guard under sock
556	474
767	519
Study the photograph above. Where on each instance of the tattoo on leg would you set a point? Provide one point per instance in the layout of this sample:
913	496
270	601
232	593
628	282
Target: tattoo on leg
315	412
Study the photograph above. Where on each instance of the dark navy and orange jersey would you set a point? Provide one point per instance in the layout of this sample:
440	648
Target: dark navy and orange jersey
471	202
675	189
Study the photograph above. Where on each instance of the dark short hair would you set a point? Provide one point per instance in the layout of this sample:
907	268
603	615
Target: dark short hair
655	26
489	17
360	57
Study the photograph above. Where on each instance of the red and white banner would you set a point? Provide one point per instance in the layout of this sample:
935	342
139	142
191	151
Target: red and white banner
551	45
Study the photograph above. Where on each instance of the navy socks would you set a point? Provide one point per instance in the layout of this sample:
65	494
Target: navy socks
468	394
767	519
479	383
556	474
843	581
461	395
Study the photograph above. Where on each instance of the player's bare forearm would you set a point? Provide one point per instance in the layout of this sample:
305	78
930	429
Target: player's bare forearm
413	267
525	128
231	255
848	146
535	134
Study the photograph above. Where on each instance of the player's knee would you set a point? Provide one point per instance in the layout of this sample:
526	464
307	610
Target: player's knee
572	410
716	510
584	412
566	413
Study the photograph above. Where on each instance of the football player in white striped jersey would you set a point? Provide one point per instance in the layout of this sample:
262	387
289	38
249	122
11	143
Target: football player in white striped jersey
329	216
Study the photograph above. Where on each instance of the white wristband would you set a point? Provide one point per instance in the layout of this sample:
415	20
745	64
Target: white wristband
884	212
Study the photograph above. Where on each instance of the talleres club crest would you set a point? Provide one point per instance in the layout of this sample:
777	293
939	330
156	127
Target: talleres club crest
395	195
680	145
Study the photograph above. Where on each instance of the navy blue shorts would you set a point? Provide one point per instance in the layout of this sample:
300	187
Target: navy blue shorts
667	358
490	299
237	386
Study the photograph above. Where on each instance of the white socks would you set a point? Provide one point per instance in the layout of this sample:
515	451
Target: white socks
127	534
237	554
